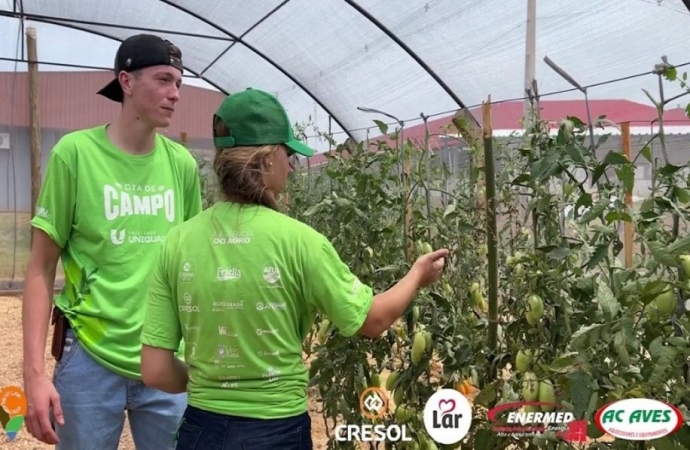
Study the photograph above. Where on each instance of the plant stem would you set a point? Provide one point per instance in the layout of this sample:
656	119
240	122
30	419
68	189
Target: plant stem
427	154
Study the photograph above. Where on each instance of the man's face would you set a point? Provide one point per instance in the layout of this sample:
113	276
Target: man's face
153	92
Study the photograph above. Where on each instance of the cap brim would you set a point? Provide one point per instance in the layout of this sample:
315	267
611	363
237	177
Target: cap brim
113	91
300	148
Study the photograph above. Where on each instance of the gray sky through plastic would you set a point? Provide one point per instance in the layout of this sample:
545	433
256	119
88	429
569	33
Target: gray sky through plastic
324	56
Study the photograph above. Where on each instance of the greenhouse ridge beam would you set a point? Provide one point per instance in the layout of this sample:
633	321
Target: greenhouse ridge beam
62	21
259	22
21	23
73	66
409	51
98	33
265	58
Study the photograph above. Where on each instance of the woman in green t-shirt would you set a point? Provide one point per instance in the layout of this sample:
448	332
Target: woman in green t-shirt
240	285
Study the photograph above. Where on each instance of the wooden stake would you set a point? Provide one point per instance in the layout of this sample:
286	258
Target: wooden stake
471	133
183	138
492	234
34	123
408	204
628	230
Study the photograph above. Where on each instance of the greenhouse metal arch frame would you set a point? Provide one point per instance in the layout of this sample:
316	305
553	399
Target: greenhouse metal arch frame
20	13
376	56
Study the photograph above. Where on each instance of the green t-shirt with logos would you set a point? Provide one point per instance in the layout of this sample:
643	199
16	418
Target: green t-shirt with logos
109	211
242	286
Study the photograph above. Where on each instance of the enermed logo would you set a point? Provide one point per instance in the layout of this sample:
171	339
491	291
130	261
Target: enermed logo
639	419
373	404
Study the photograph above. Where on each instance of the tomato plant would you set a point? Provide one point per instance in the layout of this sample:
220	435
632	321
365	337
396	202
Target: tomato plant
575	326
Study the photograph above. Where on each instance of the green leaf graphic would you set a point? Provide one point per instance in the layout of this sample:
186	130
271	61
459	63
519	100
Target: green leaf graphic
13	426
4	417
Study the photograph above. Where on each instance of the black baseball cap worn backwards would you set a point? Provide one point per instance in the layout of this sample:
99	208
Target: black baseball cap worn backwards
137	52
253	118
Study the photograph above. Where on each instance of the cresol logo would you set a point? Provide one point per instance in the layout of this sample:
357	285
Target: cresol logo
639	419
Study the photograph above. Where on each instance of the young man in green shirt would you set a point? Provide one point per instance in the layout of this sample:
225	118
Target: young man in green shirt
109	197
241	283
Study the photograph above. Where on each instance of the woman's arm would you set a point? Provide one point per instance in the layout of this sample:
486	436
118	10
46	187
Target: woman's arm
161	369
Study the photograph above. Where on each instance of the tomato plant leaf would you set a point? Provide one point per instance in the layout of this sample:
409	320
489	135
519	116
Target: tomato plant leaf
680	246
619	344
683	195
595	211
666	359
607	301
600	253
655	347
664	443
669	169
677	341
647	153
487	395
683	436
522	180
580	392
442	303
449	210
559	253
564	363
661	254
484	438
313	210
615	158
383	127
598	172
580	339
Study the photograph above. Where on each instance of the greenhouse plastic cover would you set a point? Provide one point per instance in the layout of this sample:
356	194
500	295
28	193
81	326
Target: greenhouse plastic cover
404	57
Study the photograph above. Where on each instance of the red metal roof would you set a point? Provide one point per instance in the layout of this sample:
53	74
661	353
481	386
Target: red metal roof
507	116
68	101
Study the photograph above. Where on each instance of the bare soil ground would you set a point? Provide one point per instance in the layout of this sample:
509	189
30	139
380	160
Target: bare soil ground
11	374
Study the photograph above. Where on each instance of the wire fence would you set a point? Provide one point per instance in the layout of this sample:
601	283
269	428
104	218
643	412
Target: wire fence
68	102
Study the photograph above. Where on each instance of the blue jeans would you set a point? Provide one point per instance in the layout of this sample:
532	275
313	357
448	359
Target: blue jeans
94	401
203	430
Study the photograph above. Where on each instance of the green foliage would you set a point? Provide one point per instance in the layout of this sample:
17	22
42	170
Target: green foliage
561	204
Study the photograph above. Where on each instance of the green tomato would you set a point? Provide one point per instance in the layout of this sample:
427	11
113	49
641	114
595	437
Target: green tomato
523	360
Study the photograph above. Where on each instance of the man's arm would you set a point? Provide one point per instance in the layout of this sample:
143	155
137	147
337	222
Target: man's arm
38	301
52	227
192	200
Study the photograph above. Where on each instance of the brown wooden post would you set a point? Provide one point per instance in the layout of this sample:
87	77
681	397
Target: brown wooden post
34	123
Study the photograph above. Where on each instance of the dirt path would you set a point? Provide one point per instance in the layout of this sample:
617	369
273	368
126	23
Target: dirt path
11	374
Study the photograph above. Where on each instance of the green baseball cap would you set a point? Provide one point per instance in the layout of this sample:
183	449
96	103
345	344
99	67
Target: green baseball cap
254	118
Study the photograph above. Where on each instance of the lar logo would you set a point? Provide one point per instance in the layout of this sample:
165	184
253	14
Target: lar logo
639	419
12	410
447	416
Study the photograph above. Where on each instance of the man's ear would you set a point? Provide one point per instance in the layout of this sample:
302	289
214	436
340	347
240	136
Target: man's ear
126	81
